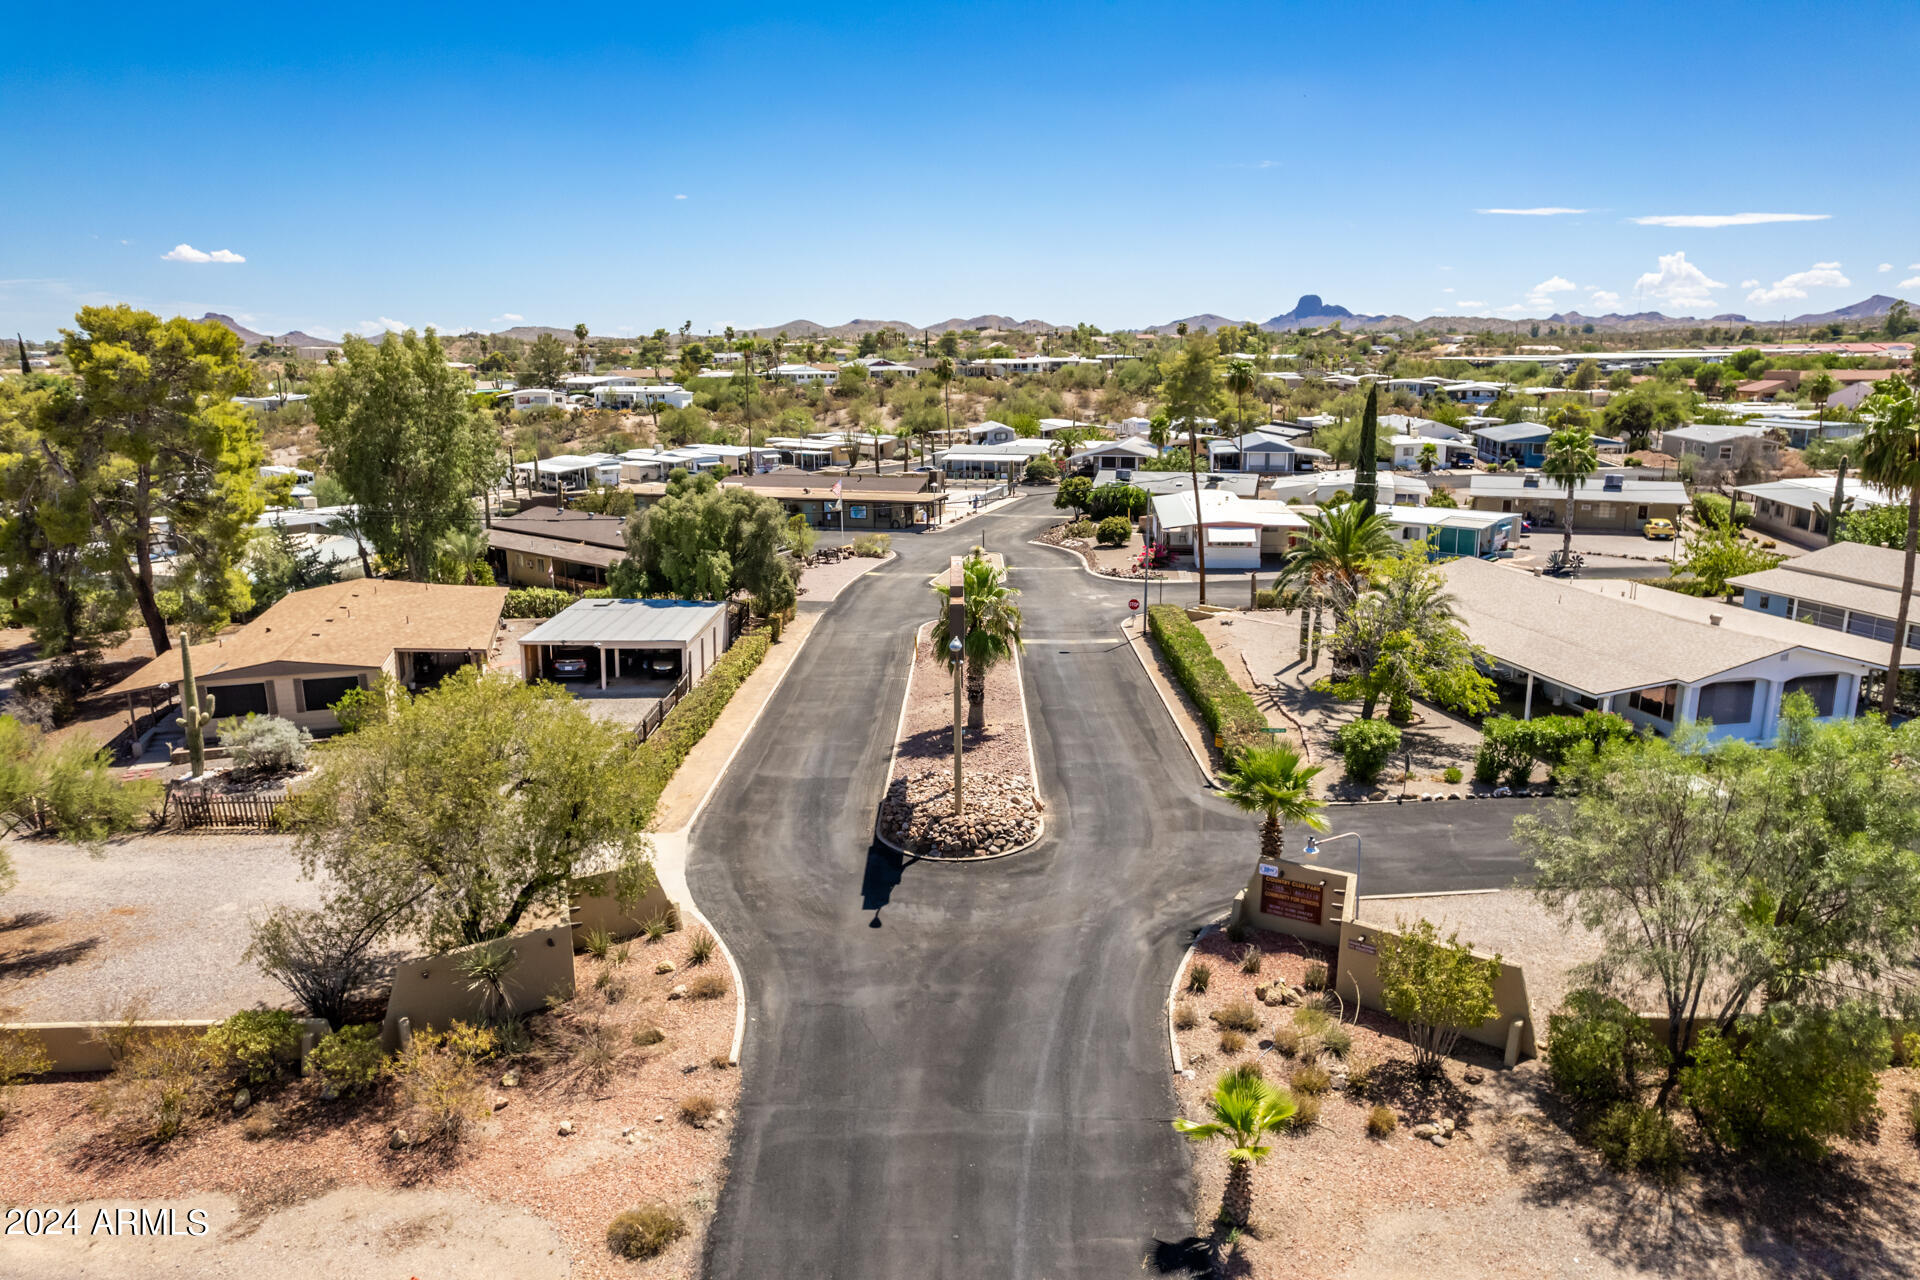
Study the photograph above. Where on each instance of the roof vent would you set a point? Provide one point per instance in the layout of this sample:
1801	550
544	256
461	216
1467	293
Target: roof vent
1613	482
1715	618
1530	482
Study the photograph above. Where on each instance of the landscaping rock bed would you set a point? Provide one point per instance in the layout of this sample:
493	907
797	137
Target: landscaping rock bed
1000	815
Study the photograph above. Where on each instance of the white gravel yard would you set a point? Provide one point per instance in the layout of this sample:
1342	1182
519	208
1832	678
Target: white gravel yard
159	919
1511	922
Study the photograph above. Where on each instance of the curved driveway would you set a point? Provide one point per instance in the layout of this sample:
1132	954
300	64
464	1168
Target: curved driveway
961	1071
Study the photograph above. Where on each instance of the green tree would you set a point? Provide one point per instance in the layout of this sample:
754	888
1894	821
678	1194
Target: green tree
472	807
1245	1109
993	630
1366	462
1273	782
1585	376
279	564
1890	458
152	440
1570	459
65	789
1403	640
402	439
1332	558
1439	988
1192	390
1429	455
1820	388
1716	555
1075	494
704	542
1240	382
545	362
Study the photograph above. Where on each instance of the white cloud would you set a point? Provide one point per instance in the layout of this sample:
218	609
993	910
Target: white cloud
1544	211
1604	298
1726	219
1463	304
187	253
1822	275
1885	266
1749	284
1912	282
1446	291
1512	308
509	317
679	197
384	324
1678	283
1541	295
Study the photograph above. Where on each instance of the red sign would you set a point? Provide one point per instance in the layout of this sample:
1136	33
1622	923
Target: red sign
1133	604
1291	900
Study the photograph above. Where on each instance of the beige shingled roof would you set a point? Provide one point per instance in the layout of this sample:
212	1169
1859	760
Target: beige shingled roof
1610	637
354	624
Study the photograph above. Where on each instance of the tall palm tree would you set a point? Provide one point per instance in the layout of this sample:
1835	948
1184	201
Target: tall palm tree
1245	1109
1272	781
993	629
943	374
1570	459
1890	458
1333	556
1240	380
580	345
1820	389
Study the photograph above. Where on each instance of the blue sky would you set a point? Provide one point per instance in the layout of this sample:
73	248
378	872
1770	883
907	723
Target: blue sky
1122	164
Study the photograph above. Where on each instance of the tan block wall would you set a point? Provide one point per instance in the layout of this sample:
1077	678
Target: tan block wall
431	993
595	906
1338	889
82	1046
1358	967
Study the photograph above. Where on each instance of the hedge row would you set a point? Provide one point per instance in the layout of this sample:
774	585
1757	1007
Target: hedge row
1229	710
1509	747
688	722
536	602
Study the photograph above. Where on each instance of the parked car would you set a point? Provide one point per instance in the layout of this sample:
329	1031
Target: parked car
1658	528
569	668
664	665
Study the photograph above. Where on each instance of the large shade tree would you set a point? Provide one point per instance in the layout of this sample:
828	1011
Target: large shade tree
404	440
703	542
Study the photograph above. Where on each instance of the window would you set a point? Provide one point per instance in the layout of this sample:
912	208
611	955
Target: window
1641	516
320	695
1821	615
1820	688
1863	624
1726	453
1603	511
240	699
1764	603
1728	702
1658	701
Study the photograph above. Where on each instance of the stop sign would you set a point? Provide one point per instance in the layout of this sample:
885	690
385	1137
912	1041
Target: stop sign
1133	604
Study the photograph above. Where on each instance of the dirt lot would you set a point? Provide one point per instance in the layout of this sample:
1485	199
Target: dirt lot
1513	1193
314	1182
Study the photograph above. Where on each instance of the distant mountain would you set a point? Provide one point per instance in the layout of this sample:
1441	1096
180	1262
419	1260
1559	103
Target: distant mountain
1866	309
528	332
246	335
814	329
1208	321
299	338
1006	324
1312	311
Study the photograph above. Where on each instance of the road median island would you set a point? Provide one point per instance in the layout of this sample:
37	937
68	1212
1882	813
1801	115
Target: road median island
1000	803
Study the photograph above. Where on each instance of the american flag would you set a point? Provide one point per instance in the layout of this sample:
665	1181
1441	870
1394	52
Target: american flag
836	488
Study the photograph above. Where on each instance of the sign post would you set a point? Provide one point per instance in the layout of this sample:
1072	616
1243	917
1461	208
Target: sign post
1133	606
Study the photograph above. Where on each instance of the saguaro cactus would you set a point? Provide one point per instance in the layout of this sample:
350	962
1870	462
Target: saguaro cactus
194	715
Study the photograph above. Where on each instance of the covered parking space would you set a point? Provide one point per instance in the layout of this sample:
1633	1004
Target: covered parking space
630	645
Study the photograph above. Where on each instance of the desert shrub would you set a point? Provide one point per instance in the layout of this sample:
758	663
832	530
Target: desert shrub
1310	1078
321	955
1597	1048
442	1090
267	743
1250	959
1306	1111
1184	1018
1311	1021
644	1232
1237	1016
700	947
654	928
1286	1041
160	1084
488	969
349	1059
1338	1039
611	985
1453	773
598	943
1114	531
1640	1139
1509	747
1906	1048
1913	1116
1041	470
254	1044
1199	977
64	789
872	546
1082	529
21	1055
580	1047
708	986
647	1036
1797	1078
1315	978
1381	1122
621	954
1716	510
1229	711
1365	746
1232	1042
698	1109
535	602
1437	986
1362	1072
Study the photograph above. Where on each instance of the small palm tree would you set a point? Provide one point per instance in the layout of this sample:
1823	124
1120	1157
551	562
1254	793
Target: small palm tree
1240	381
1273	782
1890	458
1570	459
1245	1109
1333	556
993	629
1429	456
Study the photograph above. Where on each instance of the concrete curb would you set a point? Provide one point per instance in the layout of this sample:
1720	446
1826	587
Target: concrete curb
1173	991
1033	771
1172	578
1437	893
1173	712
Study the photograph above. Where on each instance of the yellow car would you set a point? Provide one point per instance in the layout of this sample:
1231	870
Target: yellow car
1658	528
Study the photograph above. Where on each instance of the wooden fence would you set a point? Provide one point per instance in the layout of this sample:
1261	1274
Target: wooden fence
195	811
650	722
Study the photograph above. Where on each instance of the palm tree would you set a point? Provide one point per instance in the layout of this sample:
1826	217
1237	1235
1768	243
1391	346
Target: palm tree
943	374
1429	454
1820	389
1245	1109
1333	556
1240	380
1890	458
580	345
993	629
1570	459
1272	781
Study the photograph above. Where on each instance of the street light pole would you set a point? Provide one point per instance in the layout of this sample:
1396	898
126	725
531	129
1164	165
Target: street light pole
1313	851
954	650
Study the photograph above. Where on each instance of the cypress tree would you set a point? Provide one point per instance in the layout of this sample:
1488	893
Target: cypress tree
1366	485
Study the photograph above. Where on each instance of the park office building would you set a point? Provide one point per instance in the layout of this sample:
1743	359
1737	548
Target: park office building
866	501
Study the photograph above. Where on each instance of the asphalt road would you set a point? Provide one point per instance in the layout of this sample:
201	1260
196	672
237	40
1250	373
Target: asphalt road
960	1071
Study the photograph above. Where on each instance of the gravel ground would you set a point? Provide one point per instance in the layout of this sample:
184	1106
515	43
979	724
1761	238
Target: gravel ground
57	1151
1511	922
158	918
926	732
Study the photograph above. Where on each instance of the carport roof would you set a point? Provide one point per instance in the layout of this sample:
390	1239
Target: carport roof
625	623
